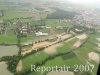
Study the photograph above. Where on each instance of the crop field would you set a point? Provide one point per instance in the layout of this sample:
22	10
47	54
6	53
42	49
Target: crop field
79	55
40	53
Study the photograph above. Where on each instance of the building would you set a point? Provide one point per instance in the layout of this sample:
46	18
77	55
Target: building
23	30
41	33
2	28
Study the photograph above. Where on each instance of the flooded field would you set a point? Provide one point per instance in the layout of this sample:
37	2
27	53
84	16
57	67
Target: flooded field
8	50
61	73
3	70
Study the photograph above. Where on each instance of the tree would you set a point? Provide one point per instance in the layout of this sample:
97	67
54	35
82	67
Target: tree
2	12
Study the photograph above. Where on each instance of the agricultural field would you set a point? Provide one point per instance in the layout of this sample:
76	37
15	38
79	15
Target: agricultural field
79	56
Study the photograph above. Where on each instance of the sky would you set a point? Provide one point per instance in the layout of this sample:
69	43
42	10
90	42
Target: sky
94	3
81	1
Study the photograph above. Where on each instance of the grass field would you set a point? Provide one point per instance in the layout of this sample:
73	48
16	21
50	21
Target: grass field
89	46
11	14
66	46
79	56
59	62
32	59
57	22
8	39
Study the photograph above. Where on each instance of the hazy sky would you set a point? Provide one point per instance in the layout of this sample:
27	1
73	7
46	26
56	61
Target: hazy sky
94	3
81	1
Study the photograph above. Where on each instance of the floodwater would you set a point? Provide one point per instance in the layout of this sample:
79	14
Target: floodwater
61	73
3	69
8	50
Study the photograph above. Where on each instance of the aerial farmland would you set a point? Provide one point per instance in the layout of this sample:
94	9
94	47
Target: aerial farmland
49	37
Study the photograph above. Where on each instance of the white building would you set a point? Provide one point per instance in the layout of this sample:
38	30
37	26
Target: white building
41	33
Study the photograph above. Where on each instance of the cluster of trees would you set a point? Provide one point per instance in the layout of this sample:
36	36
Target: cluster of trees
42	48
61	14
12	62
2	13
41	63
33	52
81	29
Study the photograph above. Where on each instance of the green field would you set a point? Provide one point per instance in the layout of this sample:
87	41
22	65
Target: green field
40	56
32	59
66	46
79	56
8	40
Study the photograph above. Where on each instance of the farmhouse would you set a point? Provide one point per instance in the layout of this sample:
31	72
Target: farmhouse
23	30
1	26
48	27
41	33
98	39
78	30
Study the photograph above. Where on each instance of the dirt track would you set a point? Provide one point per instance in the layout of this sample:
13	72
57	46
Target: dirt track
52	45
61	73
94	56
19	66
52	49
2	62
